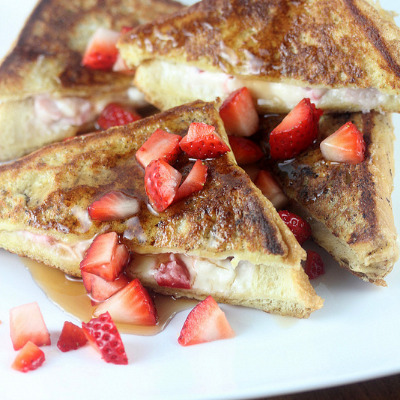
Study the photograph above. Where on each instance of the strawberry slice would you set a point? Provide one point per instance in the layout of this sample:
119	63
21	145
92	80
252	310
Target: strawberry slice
314	266
28	358
239	113
101	51
161	182
205	323
103	335
345	145
105	257
132	305
296	132
72	337
159	145
202	142
173	274
245	150
270	189
194	182
27	324
113	205
301	228
116	115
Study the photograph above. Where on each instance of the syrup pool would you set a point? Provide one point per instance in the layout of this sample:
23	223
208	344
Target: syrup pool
70	295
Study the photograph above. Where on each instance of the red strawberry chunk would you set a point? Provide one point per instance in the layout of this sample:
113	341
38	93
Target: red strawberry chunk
239	113
161	182
159	145
112	206
301	228
103	335
194	182
345	145
245	150
28	358
116	115
132	305
270	189
205	323
296	132
202	142
173	274
314	266
72	337
27	324
101	51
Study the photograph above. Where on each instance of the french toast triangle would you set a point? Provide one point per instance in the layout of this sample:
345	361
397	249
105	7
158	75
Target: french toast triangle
349	206
45	92
342	54
233	241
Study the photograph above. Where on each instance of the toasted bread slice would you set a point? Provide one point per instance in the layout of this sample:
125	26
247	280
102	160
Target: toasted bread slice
43	72
343	54
348	206
244	252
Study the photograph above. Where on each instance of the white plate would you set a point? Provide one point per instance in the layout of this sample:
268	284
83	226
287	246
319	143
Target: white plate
354	337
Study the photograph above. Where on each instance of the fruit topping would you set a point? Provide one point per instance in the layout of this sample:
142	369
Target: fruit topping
116	115
245	150
239	113
301	228
314	266
103	335
173	274
202	142
297	131
271	189
345	145
72	337
28	358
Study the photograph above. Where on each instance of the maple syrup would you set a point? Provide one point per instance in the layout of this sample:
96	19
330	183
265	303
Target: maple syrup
70	295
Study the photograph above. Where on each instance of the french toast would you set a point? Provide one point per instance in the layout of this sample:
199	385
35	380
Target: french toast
344	54
236	246
45	92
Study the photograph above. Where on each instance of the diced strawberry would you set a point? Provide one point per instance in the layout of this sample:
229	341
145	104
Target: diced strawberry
159	145
121	67
28	358
271	189
72	337
194	182
205	323
202	142
103	335
132	305
314	266
173	274
345	145
245	150
105	257
301	228
116	115
101	51
239	113
113	205
161	182
296	132
27	324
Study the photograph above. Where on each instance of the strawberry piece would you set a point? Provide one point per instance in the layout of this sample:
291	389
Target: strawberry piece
113	205
28	358
205	323
202	142
132	305
173	274
99	289
116	115
301	228
101	51
296	132
194	182
270	189
314	266
103	335
245	150
159	145
105	257
239	114
72	337
27	324
345	145
161	182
